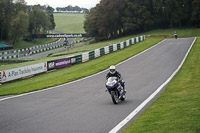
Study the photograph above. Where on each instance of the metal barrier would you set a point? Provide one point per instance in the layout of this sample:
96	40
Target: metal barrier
21	72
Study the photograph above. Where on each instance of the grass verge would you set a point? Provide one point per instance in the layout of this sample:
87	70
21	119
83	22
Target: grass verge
24	44
76	72
182	32
178	109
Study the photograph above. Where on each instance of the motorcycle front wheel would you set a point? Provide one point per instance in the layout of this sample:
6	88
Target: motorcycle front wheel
123	98
114	96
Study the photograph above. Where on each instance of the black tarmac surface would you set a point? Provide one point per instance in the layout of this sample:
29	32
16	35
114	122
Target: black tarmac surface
83	106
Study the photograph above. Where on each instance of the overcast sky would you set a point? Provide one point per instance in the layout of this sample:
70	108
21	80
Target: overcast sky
64	3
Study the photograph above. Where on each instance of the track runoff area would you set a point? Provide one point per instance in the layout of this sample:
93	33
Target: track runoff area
83	106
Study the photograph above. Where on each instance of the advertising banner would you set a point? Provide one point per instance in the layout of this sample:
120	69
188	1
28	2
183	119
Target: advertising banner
59	35
61	63
17	73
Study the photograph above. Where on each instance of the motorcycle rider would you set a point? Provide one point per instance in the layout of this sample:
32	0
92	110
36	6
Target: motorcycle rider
175	35
113	73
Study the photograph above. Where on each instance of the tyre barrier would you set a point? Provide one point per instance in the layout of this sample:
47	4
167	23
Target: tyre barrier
10	54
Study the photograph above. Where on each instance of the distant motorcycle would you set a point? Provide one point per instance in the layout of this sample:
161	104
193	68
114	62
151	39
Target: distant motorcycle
175	35
115	89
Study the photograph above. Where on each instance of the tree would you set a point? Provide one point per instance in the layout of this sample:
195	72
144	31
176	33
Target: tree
196	13
113	12
20	5
90	23
6	13
110	19
16	20
104	21
137	17
70	8
50	11
172	13
19	26
39	20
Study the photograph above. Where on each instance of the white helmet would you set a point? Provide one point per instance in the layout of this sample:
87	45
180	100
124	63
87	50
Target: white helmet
112	69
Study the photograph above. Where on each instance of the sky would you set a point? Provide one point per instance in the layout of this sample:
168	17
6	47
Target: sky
63	3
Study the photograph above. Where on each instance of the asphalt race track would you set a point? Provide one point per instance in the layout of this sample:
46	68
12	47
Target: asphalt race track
83	106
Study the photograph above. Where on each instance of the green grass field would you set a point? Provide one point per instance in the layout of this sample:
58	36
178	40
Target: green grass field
69	23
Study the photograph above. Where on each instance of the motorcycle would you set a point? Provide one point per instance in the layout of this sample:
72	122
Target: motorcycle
115	89
175	36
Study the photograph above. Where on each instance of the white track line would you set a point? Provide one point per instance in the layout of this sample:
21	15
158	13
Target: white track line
142	105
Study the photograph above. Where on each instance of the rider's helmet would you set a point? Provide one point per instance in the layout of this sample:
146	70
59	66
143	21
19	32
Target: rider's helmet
112	69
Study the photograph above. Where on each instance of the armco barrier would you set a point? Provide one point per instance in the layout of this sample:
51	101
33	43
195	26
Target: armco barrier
78	59
125	44
85	57
97	53
130	42
21	72
121	45
137	39
109	49
118	46
10	54
106	49
102	51
91	55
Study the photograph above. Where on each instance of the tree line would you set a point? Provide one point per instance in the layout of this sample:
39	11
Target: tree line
70	8
18	20
114	18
